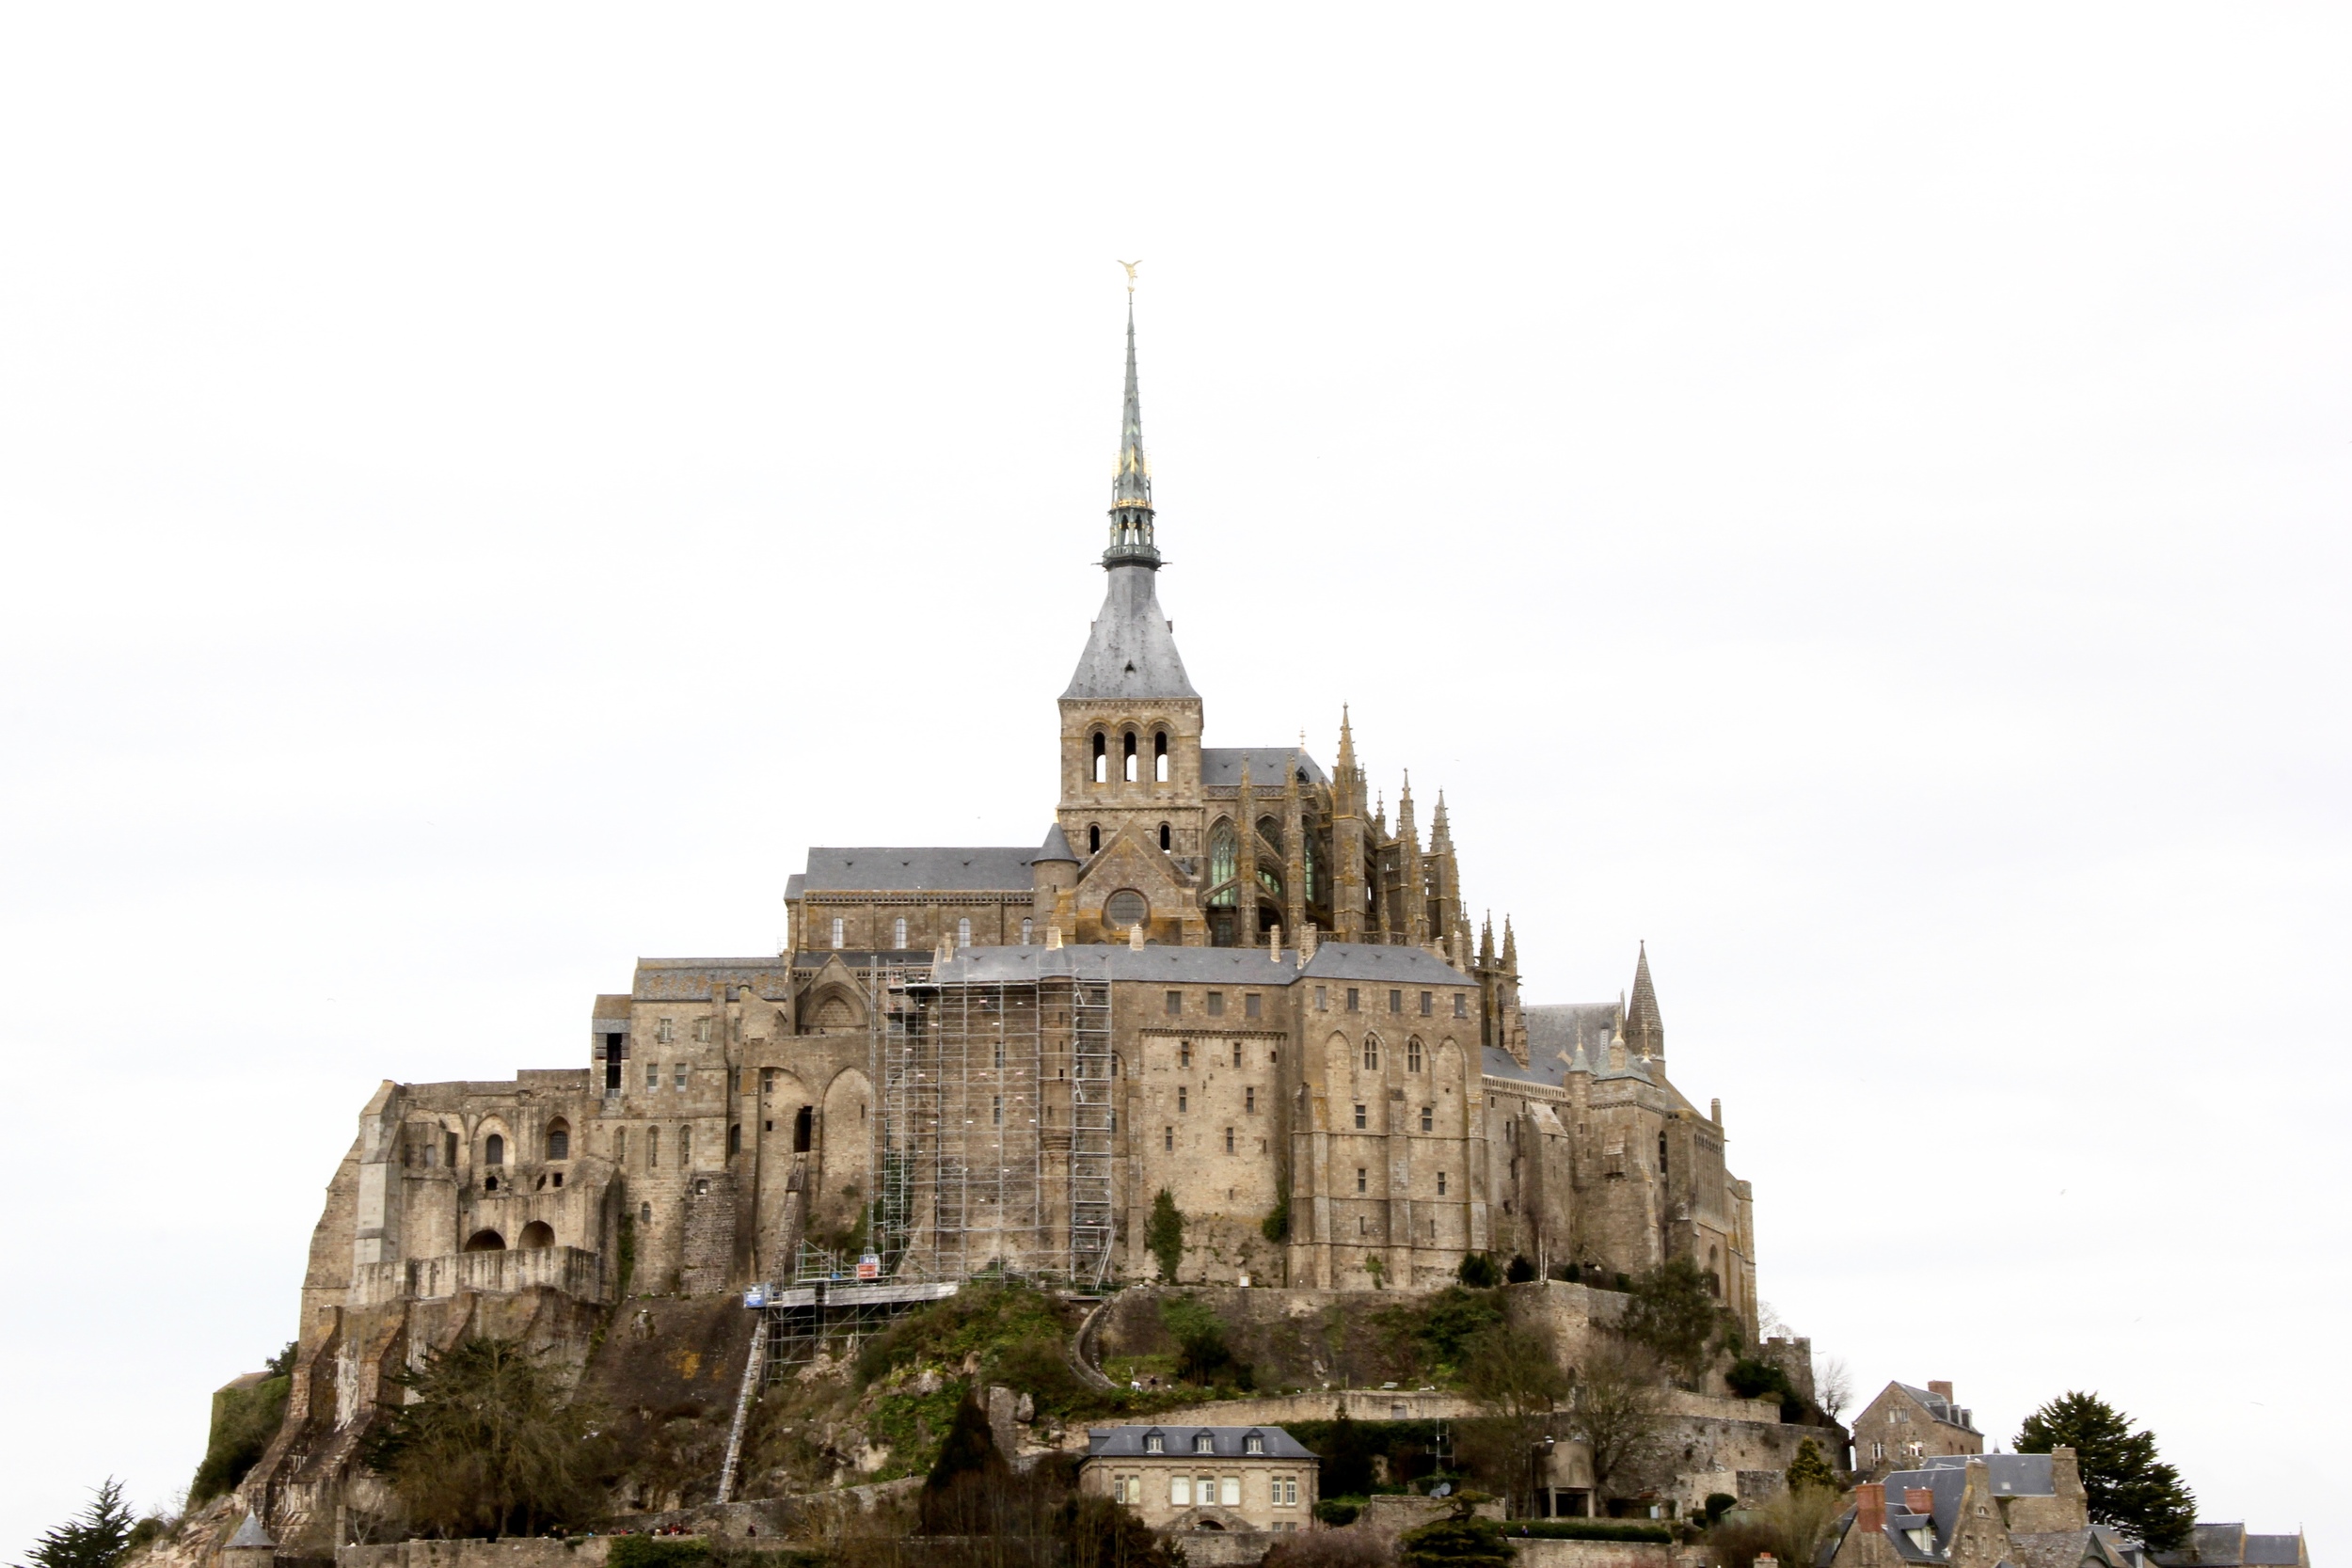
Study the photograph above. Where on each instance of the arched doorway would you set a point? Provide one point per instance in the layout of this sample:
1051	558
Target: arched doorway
486	1240
538	1233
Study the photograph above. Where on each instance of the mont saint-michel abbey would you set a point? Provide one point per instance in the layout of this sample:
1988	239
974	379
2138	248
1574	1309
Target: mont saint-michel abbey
1218	971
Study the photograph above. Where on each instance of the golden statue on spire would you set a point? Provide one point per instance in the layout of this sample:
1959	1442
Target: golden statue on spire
1131	267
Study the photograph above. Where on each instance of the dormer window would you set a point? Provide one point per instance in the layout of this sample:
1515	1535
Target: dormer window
1253	1443
1203	1443
1155	1443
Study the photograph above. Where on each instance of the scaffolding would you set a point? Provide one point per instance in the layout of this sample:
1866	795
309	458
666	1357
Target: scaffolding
994	1145
992	1149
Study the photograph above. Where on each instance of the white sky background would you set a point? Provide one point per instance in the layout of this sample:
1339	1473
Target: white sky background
1858	501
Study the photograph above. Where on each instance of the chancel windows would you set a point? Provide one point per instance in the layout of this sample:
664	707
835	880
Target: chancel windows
1102	759
898	932
1027	927
963	932
840	934
1159	771
1127	768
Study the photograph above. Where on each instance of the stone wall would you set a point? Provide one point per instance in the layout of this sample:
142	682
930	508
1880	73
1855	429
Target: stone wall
1533	1552
525	1552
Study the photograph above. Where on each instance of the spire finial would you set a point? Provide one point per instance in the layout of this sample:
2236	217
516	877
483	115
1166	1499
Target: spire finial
1130	481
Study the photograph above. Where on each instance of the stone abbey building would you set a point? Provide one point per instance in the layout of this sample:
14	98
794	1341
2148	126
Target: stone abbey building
1221	971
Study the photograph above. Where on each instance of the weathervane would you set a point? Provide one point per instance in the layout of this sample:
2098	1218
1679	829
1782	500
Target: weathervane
1131	267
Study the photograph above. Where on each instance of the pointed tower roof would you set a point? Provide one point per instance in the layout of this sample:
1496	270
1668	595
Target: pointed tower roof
1438	830
250	1535
1510	947
1131	483
1131	649
1645	1031
1056	846
1487	943
1405	828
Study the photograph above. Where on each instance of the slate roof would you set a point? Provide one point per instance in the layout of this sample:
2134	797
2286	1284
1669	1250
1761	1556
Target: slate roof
908	870
1177	1441
1368	960
251	1533
1056	846
1938	1407
1117	961
1270	766
2064	1548
1553	1053
1130	648
2008	1475
2231	1545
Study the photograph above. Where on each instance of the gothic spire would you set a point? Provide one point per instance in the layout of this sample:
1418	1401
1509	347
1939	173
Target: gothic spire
1645	1031
1131	483
1487	943
1510	947
1438	830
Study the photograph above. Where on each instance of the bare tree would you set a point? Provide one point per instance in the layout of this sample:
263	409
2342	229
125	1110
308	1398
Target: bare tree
1801	1518
1514	1370
1833	1386
1619	1413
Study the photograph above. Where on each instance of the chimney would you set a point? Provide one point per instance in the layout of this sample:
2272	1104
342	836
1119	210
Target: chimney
1869	1508
1918	1499
1940	1391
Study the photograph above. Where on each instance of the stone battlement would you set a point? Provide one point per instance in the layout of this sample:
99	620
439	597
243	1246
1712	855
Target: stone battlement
571	1269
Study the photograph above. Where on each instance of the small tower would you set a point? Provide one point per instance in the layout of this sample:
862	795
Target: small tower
1412	915
1644	1032
1348	829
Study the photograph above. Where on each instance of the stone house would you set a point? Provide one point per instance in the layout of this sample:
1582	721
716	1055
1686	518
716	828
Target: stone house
1964	1511
1905	1425
1219	1479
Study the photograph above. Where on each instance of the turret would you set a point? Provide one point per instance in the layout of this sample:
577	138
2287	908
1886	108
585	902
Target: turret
1644	1032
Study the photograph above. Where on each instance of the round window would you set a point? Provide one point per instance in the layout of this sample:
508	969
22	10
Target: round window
1125	908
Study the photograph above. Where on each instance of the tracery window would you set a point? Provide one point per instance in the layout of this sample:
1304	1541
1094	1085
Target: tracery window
1224	855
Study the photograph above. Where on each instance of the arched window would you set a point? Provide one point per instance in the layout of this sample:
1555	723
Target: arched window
1027	927
1167	838
538	1233
804	1127
1271	831
494	1151
1102	759
1094	837
1372	1052
559	1139
898	934
653	1148
1412	1055
645	1213
486	1240
963	932
1128	766
1662	1153
685	1147
1125	908
1224	852
1159	760
735	1139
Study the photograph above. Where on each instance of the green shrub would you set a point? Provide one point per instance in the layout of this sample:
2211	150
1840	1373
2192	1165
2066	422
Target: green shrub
1520	1270
1338	1511
1478	1272
1164	1236
1277	1225
658	1551
244	1421
1460	1539
1202	1358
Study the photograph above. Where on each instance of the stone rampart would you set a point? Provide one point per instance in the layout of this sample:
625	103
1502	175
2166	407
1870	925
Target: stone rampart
1537	1552
517	1552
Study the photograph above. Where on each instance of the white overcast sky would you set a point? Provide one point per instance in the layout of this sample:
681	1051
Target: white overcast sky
1856	498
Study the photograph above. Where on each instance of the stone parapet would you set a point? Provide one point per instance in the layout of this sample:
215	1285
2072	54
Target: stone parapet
1537	1552
573	1271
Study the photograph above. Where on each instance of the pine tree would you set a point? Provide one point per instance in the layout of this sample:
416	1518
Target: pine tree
2124	1483
94	1538
1810	1469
